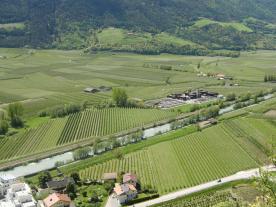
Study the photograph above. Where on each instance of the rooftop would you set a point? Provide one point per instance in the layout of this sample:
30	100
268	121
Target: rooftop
129	177
7	177
58	184
123	189
109	176
56	197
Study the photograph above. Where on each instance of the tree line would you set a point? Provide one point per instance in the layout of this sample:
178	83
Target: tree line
13	118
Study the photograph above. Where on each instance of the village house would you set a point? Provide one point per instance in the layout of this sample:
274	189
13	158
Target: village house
130	178
19	195
6	181
125	192
57	200
60	185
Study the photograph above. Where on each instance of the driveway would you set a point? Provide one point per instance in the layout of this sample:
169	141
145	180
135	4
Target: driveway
238	176
112	202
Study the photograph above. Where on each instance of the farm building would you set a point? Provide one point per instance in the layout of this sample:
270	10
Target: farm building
190	95
91	90
59	185
125	192
109	176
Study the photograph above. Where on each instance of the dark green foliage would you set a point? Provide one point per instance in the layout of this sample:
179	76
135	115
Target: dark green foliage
15	111
75	176
4	127
120	97
61	111
17	122
70	24
231	97
108	186
71	190
81	153
270	78
43	178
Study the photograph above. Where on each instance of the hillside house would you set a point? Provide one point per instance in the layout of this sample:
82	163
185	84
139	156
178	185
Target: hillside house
130	178
57	200
6	180
60	185
19	195
125	192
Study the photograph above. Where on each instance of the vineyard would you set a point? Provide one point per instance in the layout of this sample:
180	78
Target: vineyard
206	200
181	163
76	127
33	140
94	123
254	135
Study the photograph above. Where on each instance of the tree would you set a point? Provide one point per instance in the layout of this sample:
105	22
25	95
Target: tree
120	97
71	190
118	154
268	188
4	127
75	176
168	82
15	111
81	153
43	178
231	97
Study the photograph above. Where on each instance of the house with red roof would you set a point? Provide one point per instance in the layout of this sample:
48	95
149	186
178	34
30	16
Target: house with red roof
130	178
125	192
57	200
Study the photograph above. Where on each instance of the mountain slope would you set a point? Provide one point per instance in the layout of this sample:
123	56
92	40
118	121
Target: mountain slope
48	23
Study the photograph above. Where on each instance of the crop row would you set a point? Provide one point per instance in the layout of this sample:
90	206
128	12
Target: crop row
96	123
181	163
205	200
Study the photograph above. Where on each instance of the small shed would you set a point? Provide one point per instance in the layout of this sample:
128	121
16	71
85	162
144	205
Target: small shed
109	176
91	90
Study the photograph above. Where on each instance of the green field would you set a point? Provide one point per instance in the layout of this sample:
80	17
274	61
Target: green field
42	79
181	163
81	126
114	37
54	77
236	25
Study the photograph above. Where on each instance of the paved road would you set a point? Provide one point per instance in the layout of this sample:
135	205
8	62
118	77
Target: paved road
238	176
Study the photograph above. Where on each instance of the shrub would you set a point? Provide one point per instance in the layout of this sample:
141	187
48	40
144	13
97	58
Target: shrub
4	127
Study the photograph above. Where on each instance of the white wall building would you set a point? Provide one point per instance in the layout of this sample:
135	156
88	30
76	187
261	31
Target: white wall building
6	181
15	194
21	195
